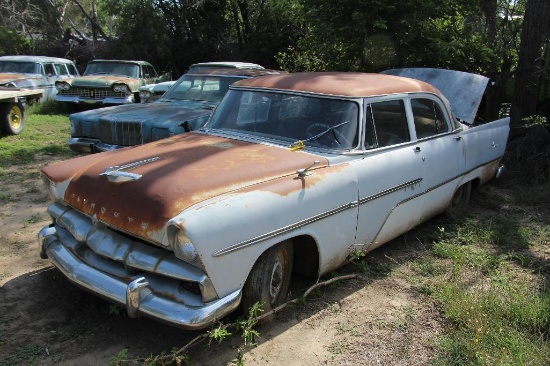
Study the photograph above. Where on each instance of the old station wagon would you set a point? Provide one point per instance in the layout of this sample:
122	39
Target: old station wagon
292	173
35	72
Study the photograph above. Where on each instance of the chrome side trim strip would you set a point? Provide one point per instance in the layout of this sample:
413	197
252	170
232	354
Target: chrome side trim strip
347	206
310	220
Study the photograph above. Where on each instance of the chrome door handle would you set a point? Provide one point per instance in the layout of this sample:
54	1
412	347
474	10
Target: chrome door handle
417	149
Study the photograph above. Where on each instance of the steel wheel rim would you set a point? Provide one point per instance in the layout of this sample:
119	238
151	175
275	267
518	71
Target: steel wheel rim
15	117
276	281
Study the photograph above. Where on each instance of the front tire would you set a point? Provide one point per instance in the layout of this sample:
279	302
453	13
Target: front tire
269	279
13	118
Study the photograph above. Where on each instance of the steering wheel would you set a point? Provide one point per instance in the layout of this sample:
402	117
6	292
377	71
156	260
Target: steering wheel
332	138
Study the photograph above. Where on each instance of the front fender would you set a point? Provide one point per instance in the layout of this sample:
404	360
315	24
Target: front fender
232	230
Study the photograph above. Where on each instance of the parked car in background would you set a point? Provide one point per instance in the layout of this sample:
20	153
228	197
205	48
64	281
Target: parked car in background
107	82
151	92
186	106
36	72
293	173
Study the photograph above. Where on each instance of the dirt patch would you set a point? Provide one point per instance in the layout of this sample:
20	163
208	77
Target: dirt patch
45	320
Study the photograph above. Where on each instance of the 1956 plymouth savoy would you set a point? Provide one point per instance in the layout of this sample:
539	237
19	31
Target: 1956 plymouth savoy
109	82
291	174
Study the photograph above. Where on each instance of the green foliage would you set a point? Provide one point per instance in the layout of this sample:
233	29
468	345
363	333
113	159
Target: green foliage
219	334
13	43
119	357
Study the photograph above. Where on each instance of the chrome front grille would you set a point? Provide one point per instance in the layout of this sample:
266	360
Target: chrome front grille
92	93
127	258
121	133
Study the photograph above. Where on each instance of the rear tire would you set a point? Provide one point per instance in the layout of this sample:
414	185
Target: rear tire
460	200
269	279
12	119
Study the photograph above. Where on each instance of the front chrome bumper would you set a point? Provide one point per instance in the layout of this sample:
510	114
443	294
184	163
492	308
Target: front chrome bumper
129	273
90	101
90	145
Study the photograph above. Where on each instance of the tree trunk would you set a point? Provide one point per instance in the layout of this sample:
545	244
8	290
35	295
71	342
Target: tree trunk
536	28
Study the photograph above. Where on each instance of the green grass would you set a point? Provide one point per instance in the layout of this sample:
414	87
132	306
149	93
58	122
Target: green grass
491	284
45	133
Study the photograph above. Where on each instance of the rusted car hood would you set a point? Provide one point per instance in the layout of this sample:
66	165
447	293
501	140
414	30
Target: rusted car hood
176	173
103	81
6	78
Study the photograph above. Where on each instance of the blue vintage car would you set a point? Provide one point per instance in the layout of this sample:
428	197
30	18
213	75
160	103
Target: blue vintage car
186	106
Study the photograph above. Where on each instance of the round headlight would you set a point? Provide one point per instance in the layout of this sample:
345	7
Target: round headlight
145	94
62	86
120	88
184	249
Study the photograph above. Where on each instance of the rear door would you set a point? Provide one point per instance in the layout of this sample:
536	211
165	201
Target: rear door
441	151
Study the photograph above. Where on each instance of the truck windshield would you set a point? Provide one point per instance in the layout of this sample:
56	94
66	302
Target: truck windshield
297	119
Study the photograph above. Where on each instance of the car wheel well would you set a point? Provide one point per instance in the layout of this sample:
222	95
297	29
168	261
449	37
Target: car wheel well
306	256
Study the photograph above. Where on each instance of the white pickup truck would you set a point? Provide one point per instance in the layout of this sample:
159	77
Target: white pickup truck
12	108
292	174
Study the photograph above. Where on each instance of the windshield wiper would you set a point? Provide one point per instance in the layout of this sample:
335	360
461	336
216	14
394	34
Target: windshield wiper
298	145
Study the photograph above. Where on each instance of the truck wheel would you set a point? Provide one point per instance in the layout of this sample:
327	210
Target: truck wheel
269	279
460	200
13	118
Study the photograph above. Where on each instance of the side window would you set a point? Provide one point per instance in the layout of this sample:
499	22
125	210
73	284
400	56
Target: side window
152	72
72	70
428	118
60	69
386	124
49	69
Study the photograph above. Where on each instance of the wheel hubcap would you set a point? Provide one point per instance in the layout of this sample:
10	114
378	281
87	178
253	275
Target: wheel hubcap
15	117
276	280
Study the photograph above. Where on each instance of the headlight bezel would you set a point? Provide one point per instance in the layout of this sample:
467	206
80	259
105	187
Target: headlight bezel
182	246
121	88
62	86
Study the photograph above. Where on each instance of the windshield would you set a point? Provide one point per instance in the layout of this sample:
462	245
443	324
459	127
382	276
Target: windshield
20	67
113	68
200	87
296	119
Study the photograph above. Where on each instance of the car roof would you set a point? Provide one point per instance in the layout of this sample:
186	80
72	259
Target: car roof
228	64
122	61
226	71
348	84
35	59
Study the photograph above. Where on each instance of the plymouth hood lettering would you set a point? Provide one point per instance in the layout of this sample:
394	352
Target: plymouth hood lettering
175	174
